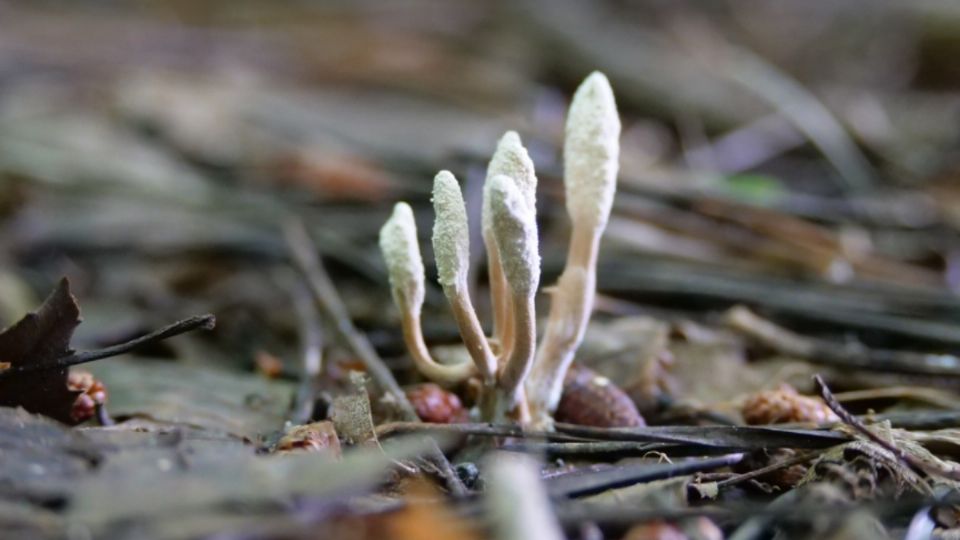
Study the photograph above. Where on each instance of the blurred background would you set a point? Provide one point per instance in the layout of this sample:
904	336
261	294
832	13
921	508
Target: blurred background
799	157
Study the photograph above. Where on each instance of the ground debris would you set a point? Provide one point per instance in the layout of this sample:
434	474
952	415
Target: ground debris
786	215
40	339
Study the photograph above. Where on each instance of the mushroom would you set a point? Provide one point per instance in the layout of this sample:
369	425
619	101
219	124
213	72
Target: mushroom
520	379
398	242
515	232
591	154
451	247
511	160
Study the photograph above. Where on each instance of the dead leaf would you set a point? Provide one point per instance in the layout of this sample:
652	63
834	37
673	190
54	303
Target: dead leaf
670	493
316	437
41	338
179	396
351	415
426	516
785	405
334	175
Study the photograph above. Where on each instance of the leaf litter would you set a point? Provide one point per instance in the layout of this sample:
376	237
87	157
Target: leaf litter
164	191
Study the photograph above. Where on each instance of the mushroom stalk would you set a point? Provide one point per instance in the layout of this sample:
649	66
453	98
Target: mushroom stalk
511	160
518	364
451	246
510	401
499	303
570	310
591	161
472	334
401	251
515	231
519	378
447	375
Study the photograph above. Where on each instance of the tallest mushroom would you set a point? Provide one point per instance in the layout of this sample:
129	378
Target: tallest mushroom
591	153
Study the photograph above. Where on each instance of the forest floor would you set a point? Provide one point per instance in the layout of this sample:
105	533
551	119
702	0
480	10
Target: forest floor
776	308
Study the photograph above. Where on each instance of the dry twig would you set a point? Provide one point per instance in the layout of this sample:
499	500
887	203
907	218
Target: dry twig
205	322
311	345
933	469
305	256
822	352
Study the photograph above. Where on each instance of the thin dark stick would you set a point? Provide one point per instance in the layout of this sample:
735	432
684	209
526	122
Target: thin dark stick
795	460
724	437
483	430
590	482
932	468
921	420
588	448
311	351
573	511
306	257
438	460
205	322
822	352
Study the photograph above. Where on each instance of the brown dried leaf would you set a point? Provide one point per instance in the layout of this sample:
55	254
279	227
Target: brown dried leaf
333	175
427	516
41	338
351	415
178	395
318	437
785	405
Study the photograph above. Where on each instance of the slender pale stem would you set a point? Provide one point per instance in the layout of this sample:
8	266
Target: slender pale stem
584	244
570	310
498	293
509	332
472	333
498	406
430	368
520	412
518	364
506	399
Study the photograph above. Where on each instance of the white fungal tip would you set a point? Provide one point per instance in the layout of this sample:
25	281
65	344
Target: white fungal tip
515	230
511	159
591	152
451	237
398	243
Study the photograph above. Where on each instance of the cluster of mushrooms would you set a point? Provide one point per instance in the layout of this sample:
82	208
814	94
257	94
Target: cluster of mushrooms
521	380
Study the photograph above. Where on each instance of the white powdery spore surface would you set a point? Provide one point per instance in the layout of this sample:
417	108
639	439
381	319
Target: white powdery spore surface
451	237
591	151
515	230
511	159
398	242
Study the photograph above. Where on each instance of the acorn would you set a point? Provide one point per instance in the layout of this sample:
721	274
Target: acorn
590	399
436	405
